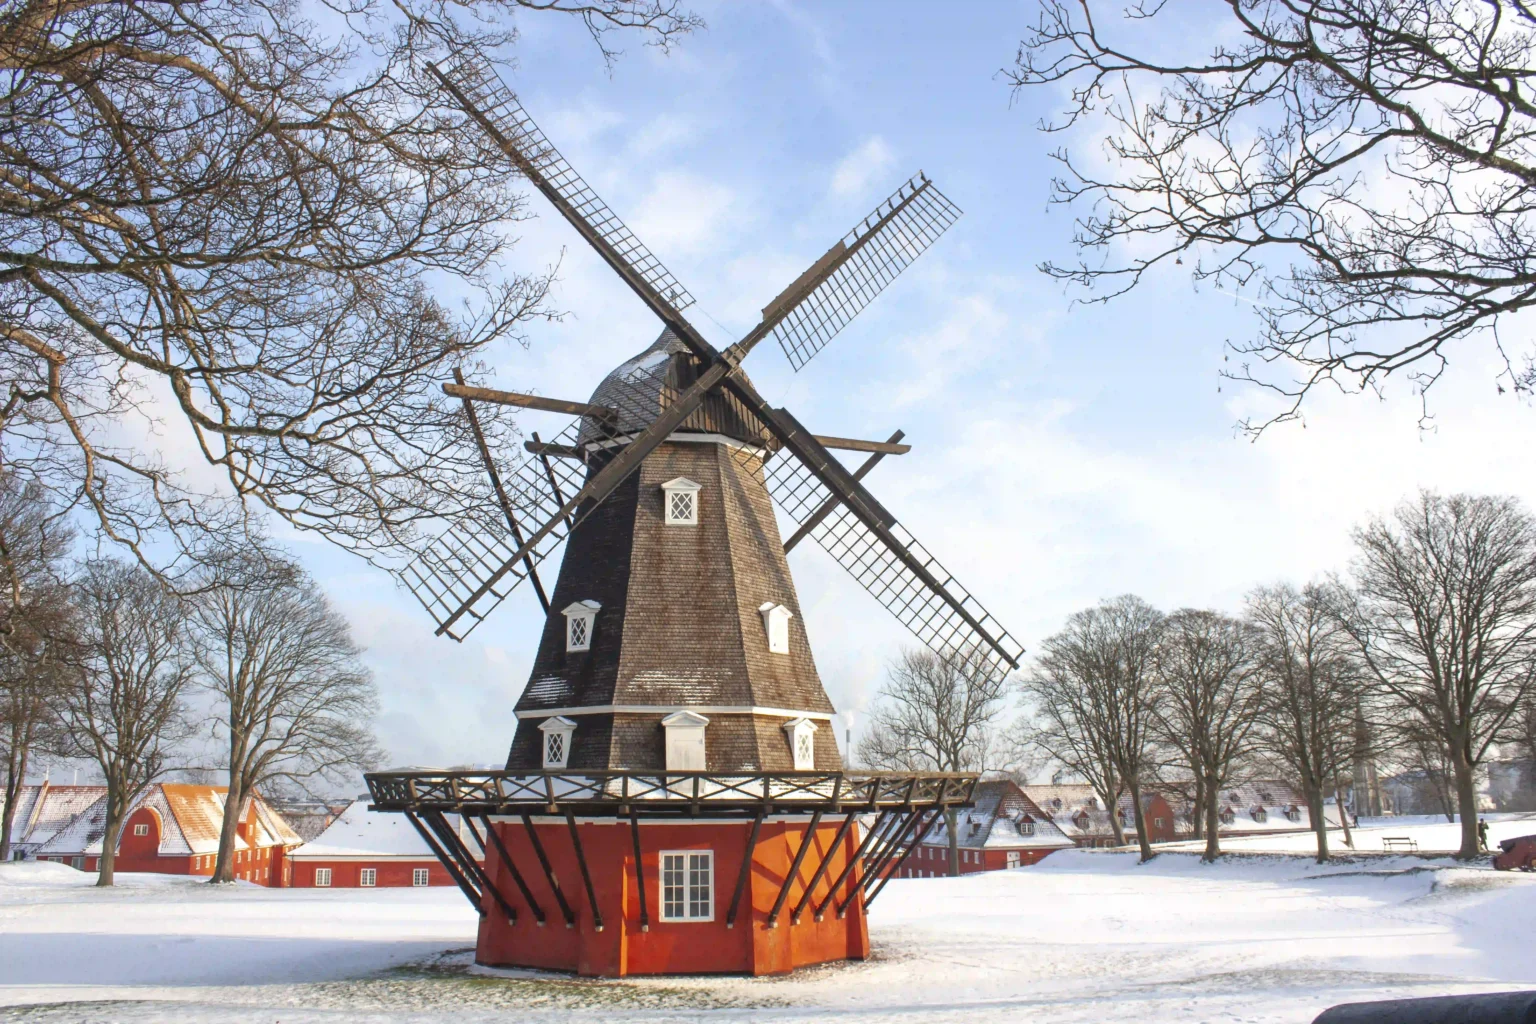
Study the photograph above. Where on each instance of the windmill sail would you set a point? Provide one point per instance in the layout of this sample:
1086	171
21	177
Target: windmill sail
938	610
483	95
882	245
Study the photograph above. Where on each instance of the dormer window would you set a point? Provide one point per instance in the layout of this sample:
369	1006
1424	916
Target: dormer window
579	619
802	743
557	740
680	501
685	741
776	624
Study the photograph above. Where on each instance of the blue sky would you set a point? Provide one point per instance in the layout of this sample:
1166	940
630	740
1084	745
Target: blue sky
1062	453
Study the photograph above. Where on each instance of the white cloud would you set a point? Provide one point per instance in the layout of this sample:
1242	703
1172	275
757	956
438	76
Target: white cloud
859	170
684	213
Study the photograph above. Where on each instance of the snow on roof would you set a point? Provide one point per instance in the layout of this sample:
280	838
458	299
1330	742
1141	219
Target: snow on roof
191	818
41	811
359	832
1001	808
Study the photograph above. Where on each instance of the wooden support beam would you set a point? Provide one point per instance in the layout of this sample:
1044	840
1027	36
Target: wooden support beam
821	870
501	493
549	874
645	914
853	862
937	814
853	444
447	860
559	451
523	401
586	874
466	857
831	503
517	876
794	869
746	869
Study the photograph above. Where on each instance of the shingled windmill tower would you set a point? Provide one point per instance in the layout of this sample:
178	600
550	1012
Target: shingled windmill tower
674	796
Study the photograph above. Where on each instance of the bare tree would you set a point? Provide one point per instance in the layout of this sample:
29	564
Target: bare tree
1210	702
1311	685
936	713
1365	171
35	624
229	222
1093	694
124	709
294	703
1445	618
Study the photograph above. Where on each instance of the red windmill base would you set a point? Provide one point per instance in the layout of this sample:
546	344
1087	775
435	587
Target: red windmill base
619	873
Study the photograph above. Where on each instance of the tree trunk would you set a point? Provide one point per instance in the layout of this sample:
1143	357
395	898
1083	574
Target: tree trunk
15	778
952	824
224	864
1115	828
1338	799
1212	824
1466	803
1197	816
1319	821
1140	818
115	810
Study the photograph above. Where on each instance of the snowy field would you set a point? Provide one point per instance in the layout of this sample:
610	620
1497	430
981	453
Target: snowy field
1083	936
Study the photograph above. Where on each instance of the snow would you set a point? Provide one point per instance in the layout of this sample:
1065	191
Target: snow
1432	832
359	832
1083	936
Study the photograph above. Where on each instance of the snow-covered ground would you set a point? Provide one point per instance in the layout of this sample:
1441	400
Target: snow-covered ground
1083	936
1432	832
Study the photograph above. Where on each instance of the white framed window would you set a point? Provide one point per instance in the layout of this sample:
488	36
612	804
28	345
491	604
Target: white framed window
141	830
685	751
687	885
1157	822
557	733
322	878
680	502
802	743
580	618
776	624
1026	826
367	877
78	863
419	876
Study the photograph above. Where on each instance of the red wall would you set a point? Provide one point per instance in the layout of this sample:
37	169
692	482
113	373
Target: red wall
263	866
929	860
345	873
666	946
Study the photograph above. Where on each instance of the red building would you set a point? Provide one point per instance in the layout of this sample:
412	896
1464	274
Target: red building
173	829
362	850
1005	829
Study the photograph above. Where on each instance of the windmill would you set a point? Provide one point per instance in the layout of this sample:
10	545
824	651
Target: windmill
673	678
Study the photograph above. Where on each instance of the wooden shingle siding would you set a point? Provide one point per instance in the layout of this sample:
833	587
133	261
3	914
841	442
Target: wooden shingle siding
680	624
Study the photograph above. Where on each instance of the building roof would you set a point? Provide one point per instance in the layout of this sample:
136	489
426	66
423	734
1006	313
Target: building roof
1077	810
190	817
42	810
642	387
359	832
1001	807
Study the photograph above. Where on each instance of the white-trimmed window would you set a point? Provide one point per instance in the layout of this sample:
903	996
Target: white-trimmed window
368	877
419	876
141	830
1026	826
322	878
580	617
688	885
776	624
802	743
685	741
557	733
680	501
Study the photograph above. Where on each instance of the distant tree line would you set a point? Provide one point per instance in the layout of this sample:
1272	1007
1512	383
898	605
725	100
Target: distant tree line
1422	654
250	671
